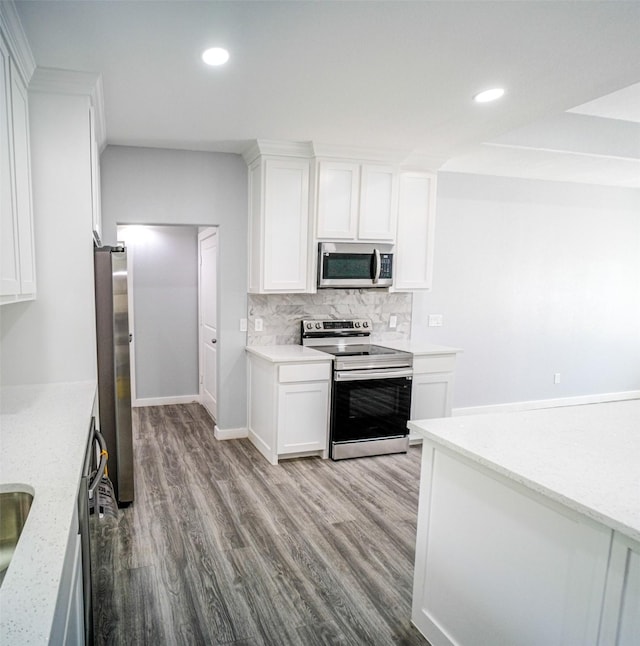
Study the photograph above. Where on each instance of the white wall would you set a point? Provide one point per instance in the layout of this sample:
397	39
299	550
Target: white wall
163	262
53	338
157	186
535	278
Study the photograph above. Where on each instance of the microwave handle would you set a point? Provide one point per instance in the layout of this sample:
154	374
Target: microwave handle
376	264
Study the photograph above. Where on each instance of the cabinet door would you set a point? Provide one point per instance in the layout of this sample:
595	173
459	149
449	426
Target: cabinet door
9	276
338	184
416	224
303	415
378	203
74	625
286	215
96	208
431	395
22	164
620	622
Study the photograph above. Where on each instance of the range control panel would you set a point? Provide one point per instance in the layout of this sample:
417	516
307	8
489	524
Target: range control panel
352	327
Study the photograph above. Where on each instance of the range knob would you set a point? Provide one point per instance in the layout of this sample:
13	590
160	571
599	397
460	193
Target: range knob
365	324
309	326
357	323
318	326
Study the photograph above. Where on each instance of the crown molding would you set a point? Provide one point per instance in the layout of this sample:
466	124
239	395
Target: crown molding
403	159
89	84
57	81
338	152
16	40
277	148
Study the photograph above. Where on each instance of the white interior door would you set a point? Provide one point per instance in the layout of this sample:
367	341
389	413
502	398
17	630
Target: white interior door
208	316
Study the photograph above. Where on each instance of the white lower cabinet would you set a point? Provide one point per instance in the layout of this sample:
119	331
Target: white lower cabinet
432	391
289	408
499	563
302	417
68	621
620	622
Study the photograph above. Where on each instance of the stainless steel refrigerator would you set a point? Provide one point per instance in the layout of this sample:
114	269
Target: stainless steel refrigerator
114	380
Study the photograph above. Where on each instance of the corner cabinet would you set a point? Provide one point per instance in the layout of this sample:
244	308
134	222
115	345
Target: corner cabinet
416	227
17	271
289	407
279	225
355	201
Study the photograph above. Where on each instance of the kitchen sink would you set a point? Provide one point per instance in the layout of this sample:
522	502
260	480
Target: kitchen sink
14	509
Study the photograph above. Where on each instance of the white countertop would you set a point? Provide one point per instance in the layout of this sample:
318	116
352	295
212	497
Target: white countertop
44	431
288	353
292	353
585	457
418	347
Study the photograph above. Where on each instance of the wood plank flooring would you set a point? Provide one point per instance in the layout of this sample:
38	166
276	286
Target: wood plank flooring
220	547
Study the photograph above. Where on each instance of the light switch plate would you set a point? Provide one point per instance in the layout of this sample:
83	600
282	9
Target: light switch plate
435	320
393	321
243	325
257	325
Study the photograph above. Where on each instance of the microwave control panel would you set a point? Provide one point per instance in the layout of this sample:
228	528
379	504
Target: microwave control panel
386	263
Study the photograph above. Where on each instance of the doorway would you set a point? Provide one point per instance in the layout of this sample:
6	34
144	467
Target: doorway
164	314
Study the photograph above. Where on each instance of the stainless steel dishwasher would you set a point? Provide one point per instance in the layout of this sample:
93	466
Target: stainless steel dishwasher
93	469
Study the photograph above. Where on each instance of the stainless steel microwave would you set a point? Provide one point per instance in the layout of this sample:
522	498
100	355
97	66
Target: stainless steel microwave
355	264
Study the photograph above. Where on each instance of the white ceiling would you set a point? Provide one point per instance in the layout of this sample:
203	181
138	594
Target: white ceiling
394	75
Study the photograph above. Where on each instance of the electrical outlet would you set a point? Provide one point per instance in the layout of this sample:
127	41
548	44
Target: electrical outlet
556	377
257	325
435	320
393	321
243	325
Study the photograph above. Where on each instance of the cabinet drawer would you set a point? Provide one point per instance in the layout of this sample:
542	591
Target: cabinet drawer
433	363
304	372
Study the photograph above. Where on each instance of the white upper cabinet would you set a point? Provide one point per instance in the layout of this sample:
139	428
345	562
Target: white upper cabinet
337	205
278	225
378	203
17	271
96	203
355	201
416	225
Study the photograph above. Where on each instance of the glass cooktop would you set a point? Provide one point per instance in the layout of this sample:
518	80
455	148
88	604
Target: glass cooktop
355	350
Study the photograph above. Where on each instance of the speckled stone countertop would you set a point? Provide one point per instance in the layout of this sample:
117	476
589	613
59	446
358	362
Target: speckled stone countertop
44	432
584	457
288	353
419	347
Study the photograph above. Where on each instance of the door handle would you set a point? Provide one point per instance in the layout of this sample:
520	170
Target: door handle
376	274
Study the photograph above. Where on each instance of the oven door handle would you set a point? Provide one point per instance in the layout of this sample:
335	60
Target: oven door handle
362	375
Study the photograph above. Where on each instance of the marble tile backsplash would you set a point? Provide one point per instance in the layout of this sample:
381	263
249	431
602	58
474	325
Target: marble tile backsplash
281	313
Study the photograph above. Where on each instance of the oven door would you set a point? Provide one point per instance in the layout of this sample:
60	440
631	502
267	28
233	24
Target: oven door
370	405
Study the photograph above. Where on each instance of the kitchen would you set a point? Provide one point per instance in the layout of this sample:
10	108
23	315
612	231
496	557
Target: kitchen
525	273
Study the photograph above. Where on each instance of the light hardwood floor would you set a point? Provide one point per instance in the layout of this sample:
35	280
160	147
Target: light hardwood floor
221	547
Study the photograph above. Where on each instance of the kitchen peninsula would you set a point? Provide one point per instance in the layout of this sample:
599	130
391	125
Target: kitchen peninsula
529	527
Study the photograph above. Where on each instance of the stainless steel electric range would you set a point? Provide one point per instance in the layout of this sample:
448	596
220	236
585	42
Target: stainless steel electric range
371	389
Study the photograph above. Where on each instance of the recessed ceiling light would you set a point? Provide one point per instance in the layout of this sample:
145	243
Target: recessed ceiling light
215	56
489	95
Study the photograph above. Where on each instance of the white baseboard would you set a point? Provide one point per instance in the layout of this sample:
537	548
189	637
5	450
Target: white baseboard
165	401
229	433
546	403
